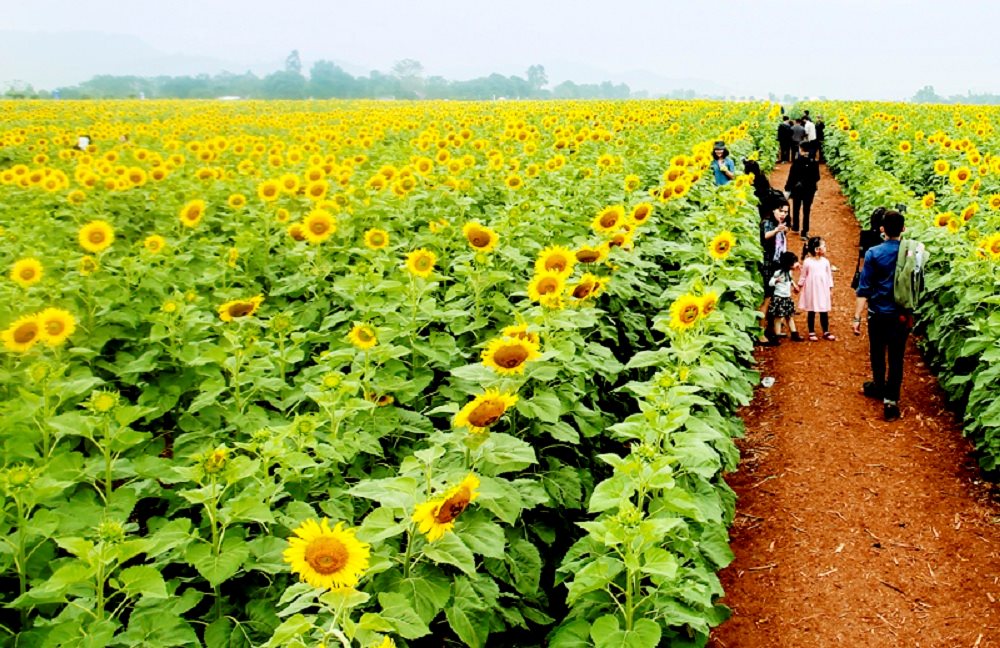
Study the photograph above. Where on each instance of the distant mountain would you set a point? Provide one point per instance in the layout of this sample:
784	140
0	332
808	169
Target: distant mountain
655	83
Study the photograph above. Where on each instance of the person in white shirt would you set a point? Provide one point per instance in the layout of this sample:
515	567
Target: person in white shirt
810	138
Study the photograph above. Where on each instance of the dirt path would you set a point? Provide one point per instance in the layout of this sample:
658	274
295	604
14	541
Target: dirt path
851	531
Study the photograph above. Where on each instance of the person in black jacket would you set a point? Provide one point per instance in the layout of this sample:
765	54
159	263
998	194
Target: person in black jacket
785	140
820	134
803	179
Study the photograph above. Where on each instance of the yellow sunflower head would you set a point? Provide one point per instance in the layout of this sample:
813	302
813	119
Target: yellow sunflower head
484	410
941	220
609	219
546	288
480	238
905	147
994	202
362	336
327	558
941	167
437	516
237	201
557	259
721	245
88	265
96	236
376	239
420	263
588	287
508	355
632	182
269	190
22	334
521	332
685	311
26	272
192	213
708	303
588	254
240	308
928	200
154	243
641	213
296	231
514	181
55	325
318	226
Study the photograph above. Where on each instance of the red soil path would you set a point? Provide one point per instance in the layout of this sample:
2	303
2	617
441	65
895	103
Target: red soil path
851	531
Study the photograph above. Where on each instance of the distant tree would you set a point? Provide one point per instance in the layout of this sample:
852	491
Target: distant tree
327	80
927	95
410	75
284	85
537	78
293	63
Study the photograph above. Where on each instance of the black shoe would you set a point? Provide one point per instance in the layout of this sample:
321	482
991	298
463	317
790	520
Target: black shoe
796	337
890	411
804	234
871	390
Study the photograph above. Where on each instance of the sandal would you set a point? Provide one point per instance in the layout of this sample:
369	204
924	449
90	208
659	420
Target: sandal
813	338
829	336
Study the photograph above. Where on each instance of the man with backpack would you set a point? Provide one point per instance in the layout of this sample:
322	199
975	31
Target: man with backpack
889	287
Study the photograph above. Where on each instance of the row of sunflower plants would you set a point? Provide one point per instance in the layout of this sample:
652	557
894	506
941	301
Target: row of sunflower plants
938	162
248	338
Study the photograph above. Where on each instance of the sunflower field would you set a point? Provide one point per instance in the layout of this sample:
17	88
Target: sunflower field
371	373
941	163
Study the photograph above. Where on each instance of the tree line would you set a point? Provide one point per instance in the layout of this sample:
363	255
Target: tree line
327	80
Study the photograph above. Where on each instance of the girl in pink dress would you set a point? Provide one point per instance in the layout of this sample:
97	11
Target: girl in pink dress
816	282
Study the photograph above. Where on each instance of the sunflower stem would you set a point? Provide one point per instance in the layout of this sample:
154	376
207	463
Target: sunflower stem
409	552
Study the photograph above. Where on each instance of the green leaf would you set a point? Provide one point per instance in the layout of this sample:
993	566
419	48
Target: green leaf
525	565
544	405
218	569
465	615
507	453
610	493
291	628
380	525
593	576
217	633
481	535
451	551
143	580
398	611
575	634
659	562
394	492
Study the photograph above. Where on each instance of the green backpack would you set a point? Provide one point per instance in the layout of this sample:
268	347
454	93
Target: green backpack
908	280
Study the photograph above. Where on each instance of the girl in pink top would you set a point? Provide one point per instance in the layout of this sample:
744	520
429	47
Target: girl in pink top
816	282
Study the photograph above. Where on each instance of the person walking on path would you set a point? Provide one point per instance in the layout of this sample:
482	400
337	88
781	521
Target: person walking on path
820	135
798	136
816	283
810	137
785	141
888	324
723	166
782	308
803	180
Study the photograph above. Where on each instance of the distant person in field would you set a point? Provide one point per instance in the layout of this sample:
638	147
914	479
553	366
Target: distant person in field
803	180
820	134
773	240
810	128
888	324
723	167
83	142
785	141
798	136
816	284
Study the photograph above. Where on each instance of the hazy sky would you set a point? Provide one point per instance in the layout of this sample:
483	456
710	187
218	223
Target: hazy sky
846	48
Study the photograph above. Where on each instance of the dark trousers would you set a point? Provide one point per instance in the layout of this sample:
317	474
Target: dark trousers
824	321
887	336
786	151
803	203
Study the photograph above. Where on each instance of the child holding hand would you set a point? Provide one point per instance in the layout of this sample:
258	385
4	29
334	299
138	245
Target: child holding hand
816	282
782	308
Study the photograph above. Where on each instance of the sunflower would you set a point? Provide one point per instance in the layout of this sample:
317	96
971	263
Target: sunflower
296	232
237	201
290	183
641	213
941	167
269	190
362	336
508	355
941	220
376	239
557	259
325	557
588	254
55	325
318	226
239	308
22	334
88	265
317	190
437	516
546	288
484	410
96	236
26	272
928	200
954	224
905	147
960	175
685	312
993	245
721	245
521	332
514	181
609	219
632	182
154	243
994	202
481	238
969	212
192	213
708	303
421	262
588	287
